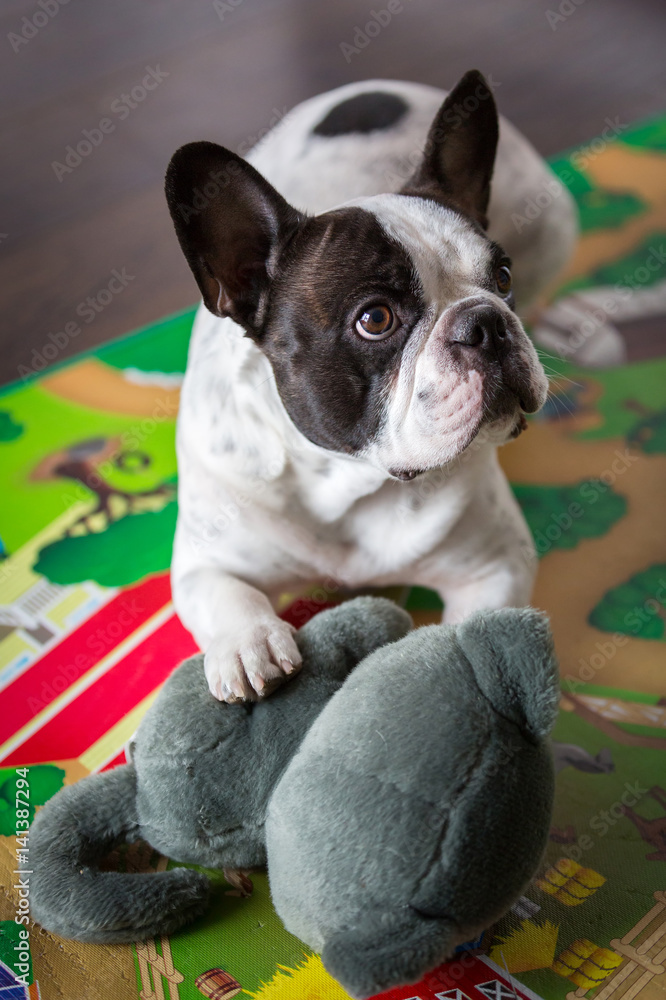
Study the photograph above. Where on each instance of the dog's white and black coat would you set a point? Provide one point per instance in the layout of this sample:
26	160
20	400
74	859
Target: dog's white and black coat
356	362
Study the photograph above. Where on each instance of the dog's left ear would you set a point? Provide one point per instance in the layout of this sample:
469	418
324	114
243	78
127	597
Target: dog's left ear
459	154
231	224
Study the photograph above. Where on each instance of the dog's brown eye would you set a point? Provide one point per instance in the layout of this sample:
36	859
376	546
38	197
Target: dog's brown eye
503	280
376	323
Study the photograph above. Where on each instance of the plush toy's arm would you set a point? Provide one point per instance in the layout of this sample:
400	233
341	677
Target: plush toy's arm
511	654
335	641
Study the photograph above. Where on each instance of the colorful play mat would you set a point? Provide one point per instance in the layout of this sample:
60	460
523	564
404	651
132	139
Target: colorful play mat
88	633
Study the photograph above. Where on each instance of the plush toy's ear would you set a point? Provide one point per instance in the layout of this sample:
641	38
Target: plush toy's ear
337	639
511	653
231	224
459	153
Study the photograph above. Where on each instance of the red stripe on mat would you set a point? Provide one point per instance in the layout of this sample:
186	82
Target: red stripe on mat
86	719
78	652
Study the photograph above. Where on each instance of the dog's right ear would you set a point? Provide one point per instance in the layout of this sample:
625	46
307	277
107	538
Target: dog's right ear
231	224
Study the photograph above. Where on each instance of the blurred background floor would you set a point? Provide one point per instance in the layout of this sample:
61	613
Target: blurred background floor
225	70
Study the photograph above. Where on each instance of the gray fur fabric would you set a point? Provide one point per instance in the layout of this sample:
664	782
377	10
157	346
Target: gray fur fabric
418	806
197	789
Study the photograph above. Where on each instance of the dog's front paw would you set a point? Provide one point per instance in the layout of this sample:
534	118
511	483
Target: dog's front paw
250	663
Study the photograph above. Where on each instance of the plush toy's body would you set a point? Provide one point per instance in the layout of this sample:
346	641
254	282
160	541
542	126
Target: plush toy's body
418	806
413	814
197	789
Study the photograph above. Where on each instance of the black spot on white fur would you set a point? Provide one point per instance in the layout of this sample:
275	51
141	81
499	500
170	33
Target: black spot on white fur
332	382
364	113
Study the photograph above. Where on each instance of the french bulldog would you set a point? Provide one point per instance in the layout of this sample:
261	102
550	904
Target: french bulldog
356	362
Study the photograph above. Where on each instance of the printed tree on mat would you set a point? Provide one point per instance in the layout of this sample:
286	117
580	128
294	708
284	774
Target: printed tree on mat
9	429
649	434
127	551
598	208
636	607
560	517
650	134
84	463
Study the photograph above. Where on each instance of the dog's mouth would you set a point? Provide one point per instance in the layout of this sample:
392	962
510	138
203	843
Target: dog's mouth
520	426
405	475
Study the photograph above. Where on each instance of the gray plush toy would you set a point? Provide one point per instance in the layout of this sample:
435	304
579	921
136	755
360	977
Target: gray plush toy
418	805
410	816
197	789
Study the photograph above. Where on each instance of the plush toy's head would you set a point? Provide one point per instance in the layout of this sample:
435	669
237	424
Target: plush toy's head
418	806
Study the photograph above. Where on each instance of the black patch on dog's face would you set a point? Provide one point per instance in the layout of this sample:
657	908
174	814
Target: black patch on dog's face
332	381
363	113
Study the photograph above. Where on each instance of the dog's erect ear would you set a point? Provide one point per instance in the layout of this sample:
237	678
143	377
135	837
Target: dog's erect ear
459	154
230	223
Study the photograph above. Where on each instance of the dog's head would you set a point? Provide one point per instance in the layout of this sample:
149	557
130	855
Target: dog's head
389	321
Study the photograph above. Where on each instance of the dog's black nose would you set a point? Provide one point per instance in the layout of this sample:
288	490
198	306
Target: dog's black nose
483	328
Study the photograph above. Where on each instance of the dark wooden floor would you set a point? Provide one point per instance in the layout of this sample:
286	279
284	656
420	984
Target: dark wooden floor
228	68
